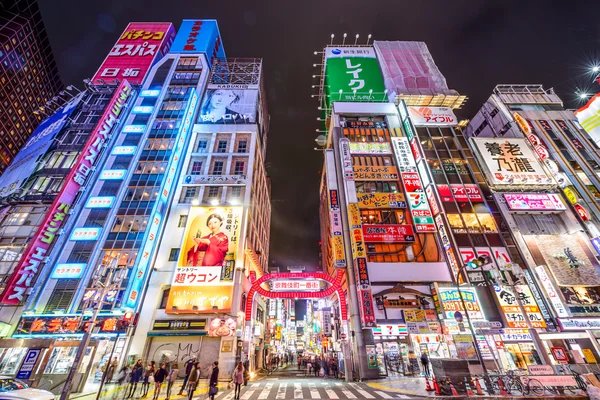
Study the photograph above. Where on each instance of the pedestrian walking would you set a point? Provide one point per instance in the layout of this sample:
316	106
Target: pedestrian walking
159	378
192	382
214	380
334	368
171	378
238	379
425	363
188	369
134	378
308	367
148	378
246	371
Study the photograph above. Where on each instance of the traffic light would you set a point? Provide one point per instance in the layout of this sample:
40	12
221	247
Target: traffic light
478	262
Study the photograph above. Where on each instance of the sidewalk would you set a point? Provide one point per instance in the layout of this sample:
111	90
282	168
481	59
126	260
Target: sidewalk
113	391
415	386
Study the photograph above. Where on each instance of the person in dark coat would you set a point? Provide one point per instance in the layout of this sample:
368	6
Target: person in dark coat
135	376
214	379
159	378
188	368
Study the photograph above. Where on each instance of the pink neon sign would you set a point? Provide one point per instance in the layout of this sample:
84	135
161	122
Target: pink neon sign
534	202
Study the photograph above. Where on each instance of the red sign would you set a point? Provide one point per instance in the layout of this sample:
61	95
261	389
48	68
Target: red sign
23	277
388	233
412	182
460	193
333	199
414	146
582	212
578	145
435	209
560	355
135	52
362	272
367	312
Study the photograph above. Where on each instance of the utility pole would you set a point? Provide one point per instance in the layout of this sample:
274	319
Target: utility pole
114	277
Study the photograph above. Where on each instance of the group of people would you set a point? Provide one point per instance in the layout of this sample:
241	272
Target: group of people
320	366
157	375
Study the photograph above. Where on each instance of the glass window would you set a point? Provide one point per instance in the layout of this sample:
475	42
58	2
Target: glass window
239	168
217	168
476	223
222	146
213	191
174	254
164	298
202	146
11	360
182	221
196	168
236	192
242	146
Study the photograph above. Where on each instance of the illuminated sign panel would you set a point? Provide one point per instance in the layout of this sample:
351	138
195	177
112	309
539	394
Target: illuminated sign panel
123	150
134	128
370	148
462	193
113	174
451	302
199	36
534	202
381	200
142	110
432	116
100	202
80	234
388	233
140	45
510	161
553	295
301	285
511	309
23	277
589	118
149	93
68	271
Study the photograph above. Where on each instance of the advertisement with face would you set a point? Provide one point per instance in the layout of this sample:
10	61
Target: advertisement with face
204	274
26	161
229	104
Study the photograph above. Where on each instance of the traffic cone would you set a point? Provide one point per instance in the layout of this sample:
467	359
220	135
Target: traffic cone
468	387
501	386
427	385
478	387
438	392
453	389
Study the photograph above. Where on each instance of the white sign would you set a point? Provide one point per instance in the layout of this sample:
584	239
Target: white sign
205	276
432	116
298	285
112	174
85	234
100	202
510	161
326	322
123	150
553	380
540	369
487	324
338	52
589	116
370	148
404	157
553	295
570	324
346	159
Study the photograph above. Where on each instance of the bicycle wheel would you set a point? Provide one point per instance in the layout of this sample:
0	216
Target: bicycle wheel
534	386
551	389
570	390
515	387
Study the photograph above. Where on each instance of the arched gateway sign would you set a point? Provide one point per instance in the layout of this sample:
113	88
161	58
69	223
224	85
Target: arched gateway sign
297	285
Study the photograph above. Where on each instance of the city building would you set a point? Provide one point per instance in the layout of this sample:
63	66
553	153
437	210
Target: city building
28	76
543	172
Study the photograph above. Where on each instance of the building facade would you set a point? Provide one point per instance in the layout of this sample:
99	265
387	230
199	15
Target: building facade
28	75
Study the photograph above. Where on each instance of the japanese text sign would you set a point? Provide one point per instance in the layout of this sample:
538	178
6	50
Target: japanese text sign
534	202
140	45
199	36
451	302
296	284
388	233
432	116
512	312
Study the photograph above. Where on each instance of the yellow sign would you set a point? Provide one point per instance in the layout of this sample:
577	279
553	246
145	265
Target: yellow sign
571	195
363	173
525	128
381	200
226	346
414	315
589	356
354	215
337	244
358	245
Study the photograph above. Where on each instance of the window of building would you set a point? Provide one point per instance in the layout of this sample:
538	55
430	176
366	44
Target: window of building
236	192
222	146
239	168
242	146
217	168
174	254
213	192
182	221
196	168
376	187
202	146
164	298
189	194
476	223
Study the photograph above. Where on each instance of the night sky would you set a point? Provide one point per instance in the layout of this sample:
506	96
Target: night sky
476	44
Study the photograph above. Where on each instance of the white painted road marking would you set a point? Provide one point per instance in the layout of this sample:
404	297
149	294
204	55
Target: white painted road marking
383	394
348	394
281	391
314	393
265	393
331	394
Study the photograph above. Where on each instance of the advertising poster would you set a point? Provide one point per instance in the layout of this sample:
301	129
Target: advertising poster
566	258
352	74
204	274
511	309
510	161
140	45
589	118
229	104
451	303
432	116
461	193
381	200
26	161
199	36
534	202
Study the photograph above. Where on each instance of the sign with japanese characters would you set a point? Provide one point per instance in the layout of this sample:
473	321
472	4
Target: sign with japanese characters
510	161
67	324
451	302
140	45
370	148
363	173
367	310
551	292
179	325
112	174
199	36
511	309
432	116
229	104
381	200
296	284
20	282
534	202
207	261
404	158
352	74
589	118
388	233
462	193
100	202
68	271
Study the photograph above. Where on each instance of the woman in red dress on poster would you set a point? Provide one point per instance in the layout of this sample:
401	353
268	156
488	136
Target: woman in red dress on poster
215	245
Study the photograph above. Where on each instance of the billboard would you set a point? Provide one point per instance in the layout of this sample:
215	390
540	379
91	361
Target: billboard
140	45
203	277
589	118
229	104
20	282
363	173
510	161
388	233
199	36
512	312
352	74
534	202
461	193
381	200
26	161
450	302
432	116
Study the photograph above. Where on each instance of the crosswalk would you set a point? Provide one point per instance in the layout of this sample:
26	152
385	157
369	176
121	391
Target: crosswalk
303	390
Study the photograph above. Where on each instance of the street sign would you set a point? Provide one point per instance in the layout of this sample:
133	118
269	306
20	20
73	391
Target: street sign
343	336
28	363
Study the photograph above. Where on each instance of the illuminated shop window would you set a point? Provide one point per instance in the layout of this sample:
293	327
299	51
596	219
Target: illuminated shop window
377	187
488	225
383	216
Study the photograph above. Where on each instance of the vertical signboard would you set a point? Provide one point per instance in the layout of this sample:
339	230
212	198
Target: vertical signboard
352	74
140	45
511	309
335	216
28	363
553	296
23	277
589	118
199	36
